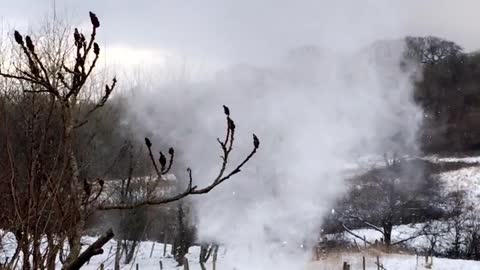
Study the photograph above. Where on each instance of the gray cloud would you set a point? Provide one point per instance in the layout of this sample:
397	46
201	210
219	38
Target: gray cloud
227	32
315	111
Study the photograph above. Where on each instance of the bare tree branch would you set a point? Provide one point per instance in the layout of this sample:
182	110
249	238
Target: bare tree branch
92	250
226	146
354	234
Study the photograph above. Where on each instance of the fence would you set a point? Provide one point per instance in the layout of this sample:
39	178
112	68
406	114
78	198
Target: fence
379	265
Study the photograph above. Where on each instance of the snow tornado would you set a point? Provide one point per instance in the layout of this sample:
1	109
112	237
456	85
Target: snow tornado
318	89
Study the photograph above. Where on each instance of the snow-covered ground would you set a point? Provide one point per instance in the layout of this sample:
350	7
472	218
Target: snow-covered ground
466	159
332	261
420	241
390	262
467	180
150	254
143	258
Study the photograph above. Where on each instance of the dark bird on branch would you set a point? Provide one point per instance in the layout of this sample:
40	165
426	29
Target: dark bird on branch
77	38
30	45
148	143
256	142
94	20
231	124
96	49
18	37
226	110
76	35
162	160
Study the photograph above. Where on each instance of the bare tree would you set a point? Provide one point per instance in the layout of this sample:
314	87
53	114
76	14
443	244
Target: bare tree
434	231
184	235
430	50
388	196
463	227
45	191
47	195
207	251
132	223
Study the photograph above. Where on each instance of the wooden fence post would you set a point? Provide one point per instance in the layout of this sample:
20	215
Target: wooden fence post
164	244
428	265
185	264
378	263
109	251
214	258
161	265
151	251
364	265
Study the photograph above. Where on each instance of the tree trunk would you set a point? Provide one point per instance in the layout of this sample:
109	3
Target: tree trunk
164	244
129	247
92	250
36	255
387	233
72	169
75	248
18	249
26	252
118	255
53	251
214	258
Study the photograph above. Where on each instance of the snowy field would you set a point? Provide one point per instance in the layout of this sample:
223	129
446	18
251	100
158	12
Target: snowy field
150	254
466	179
333	261
391	262
151	258
419	242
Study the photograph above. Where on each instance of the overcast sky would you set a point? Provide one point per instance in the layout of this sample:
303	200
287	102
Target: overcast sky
219	32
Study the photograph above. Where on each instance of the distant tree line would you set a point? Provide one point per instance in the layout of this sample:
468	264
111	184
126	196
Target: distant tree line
448	92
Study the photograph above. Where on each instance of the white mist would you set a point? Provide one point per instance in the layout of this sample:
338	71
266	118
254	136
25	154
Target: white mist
316	109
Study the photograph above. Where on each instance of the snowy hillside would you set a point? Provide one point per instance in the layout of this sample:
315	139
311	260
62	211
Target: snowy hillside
466	179
391	262
150	256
